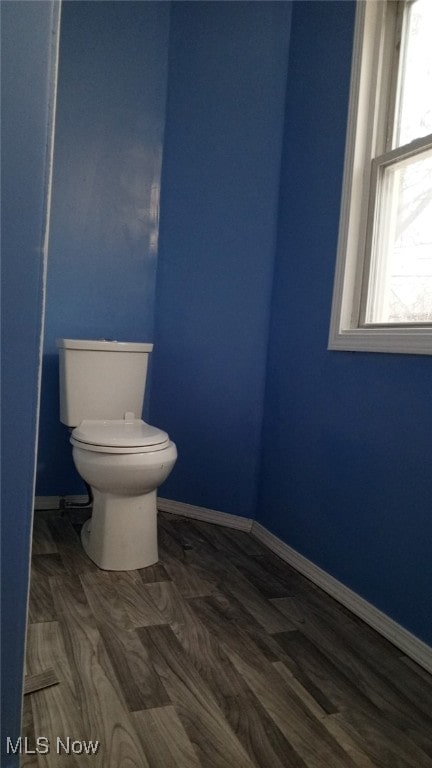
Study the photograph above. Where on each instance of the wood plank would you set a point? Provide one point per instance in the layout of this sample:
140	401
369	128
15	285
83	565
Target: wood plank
243	712
229	540
212	567
27	732
336	730
189	581
48	565
41	680
154	573
267	584
214	612
211	534
271	619
77	516
46	649
330	688
284	572
369	644
42	540
100	697
69	546
140	684
296	721
261	739
187	560
199	645
246	638
135	598
198	642
414	682
164	740
361	641
168	602
371	687
222	611
381	741
310	701
410	685
186	534
322	690
223	575
104	600
216	744
169	515
341	735
56	710
238	642
234	637
167	541
425	676
302	682
244	542
41	605
240	647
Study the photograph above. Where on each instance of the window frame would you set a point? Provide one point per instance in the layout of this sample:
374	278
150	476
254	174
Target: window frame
377	27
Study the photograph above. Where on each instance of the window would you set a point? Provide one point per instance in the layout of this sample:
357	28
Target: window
383	286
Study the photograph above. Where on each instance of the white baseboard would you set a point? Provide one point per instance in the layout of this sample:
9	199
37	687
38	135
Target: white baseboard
408	643
204	514
54	502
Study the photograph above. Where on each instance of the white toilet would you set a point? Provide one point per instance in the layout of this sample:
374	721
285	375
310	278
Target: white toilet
123	459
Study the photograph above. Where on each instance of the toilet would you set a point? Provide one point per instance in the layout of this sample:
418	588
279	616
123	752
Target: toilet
123	459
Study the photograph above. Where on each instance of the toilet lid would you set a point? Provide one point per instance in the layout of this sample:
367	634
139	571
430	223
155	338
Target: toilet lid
120	434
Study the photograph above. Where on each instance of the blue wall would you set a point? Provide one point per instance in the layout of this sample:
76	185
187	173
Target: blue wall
28	33
227	76
105	205
343	461
347	449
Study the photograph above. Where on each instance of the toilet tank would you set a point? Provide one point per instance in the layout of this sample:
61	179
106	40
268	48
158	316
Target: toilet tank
101	379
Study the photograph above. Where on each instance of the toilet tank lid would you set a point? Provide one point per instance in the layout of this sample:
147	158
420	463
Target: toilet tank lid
104	345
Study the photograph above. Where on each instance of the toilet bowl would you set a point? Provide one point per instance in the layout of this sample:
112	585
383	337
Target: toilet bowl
123	461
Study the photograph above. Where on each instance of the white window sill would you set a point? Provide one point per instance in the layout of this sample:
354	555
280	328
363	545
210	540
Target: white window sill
408	341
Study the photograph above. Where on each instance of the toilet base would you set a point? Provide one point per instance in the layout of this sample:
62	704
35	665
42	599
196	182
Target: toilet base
121	534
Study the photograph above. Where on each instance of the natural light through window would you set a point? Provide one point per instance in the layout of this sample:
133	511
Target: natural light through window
383	286
400	277
414	117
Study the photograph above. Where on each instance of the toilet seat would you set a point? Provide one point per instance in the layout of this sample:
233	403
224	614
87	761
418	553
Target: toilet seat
119	436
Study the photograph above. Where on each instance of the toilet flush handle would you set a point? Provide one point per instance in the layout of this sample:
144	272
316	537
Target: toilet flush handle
129	417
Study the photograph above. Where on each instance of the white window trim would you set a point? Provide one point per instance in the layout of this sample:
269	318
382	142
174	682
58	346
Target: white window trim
345	333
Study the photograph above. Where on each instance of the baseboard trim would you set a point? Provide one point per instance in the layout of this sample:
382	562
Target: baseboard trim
204	514
54	502
411	645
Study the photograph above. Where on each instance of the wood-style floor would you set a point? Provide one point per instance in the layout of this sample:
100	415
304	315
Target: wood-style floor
219	656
